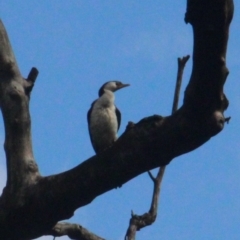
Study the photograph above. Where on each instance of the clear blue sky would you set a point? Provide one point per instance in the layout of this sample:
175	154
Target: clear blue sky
79	45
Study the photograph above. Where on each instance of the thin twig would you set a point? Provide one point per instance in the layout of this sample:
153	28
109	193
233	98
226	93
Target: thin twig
181	64
139	221
151	176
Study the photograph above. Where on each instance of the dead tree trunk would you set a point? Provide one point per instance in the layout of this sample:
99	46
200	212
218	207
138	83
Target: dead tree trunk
32	205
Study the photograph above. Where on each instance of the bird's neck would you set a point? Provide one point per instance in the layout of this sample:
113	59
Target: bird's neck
108	96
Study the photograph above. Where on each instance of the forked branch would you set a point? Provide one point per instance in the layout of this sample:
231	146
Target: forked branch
138	222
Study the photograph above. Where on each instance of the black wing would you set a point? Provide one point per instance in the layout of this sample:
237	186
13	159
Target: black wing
118	117
88	119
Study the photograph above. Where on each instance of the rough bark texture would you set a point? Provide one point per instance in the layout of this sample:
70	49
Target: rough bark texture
32	205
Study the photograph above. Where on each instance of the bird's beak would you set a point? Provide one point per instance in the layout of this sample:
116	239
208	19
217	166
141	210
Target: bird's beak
123	85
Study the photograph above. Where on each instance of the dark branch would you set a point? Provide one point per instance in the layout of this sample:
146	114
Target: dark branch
32	76
29	84
227	119
210	21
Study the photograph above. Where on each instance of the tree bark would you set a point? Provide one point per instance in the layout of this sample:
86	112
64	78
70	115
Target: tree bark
32	204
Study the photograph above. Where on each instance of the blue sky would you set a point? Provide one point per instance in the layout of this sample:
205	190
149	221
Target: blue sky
79	45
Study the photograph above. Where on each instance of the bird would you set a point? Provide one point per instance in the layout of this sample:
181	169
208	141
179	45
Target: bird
104	118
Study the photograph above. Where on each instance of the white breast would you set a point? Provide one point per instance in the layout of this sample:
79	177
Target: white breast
103	122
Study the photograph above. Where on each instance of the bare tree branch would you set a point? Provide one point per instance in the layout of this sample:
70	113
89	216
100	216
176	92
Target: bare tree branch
181	65
138	222
21	167
32	76
73	231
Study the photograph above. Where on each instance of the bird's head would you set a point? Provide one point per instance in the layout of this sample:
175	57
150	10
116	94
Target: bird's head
111	86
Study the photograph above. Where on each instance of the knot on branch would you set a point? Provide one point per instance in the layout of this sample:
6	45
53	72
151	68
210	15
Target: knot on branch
141	221
32	166
216	123
15	91
7	68
138	222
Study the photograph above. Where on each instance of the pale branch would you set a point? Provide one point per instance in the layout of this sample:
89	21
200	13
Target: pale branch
137	222
181	64
73	231
31	204
8	64
21	167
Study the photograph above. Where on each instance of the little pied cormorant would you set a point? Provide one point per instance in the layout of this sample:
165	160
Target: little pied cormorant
104	118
